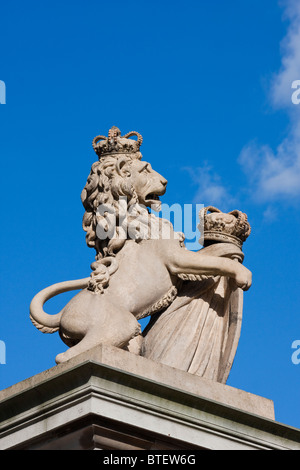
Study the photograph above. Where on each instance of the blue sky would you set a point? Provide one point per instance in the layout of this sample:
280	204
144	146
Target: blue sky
208	85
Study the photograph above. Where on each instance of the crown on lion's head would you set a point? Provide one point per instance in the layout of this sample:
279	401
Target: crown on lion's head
116	144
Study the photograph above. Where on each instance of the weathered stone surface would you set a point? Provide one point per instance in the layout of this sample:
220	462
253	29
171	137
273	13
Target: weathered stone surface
173	377
146	270
112	399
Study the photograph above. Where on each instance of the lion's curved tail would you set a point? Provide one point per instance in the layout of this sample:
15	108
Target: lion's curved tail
42	320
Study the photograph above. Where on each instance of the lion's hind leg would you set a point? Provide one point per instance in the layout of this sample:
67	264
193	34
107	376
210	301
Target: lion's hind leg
88	342
120	327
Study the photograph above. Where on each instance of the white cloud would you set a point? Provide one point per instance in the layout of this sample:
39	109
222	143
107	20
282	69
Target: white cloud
270	214
275	174
290	64
210	189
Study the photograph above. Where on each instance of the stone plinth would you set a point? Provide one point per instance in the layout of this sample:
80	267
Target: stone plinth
111	399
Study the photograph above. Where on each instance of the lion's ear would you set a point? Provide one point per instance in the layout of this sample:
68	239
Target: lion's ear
121	167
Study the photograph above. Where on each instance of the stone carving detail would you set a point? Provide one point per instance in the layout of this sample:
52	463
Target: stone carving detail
199	332
142	268
219	227
163	303
115	143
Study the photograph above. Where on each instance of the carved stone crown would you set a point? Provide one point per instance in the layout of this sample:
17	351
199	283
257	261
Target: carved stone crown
117	144
220	227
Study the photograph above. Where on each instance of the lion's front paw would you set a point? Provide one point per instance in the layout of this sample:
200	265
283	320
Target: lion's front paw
243	278
60	358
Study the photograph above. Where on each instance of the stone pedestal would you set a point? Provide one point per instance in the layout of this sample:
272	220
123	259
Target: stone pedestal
111	399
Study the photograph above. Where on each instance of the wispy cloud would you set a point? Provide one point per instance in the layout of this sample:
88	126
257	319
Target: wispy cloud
274	174
210	188
290	63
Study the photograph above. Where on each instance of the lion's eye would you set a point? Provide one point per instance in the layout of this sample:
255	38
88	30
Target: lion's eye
146	169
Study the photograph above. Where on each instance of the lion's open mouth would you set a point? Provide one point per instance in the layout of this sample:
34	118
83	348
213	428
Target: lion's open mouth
152	200
152	197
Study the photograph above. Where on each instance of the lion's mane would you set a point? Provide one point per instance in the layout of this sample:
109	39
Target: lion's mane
108	181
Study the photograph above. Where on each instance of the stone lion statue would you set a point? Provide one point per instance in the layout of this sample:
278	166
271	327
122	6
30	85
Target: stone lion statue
140	263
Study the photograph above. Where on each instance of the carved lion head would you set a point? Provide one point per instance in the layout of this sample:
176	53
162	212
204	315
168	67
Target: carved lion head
112	178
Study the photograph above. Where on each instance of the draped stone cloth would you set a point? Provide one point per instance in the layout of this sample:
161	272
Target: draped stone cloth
199	332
